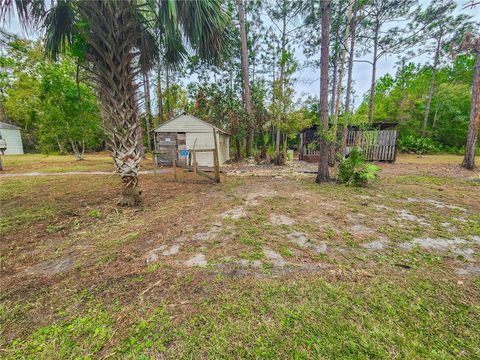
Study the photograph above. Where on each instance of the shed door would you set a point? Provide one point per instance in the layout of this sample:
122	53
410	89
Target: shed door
182	145
166	146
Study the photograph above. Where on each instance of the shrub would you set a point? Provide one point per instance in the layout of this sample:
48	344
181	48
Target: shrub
418	145
355	171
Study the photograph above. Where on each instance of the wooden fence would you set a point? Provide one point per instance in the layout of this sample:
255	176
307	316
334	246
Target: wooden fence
376	145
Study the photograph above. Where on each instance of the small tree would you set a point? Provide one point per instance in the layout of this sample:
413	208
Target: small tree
69	111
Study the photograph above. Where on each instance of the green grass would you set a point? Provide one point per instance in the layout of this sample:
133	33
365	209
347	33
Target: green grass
307	318
317	319
61	163
20	217
419	179
360	304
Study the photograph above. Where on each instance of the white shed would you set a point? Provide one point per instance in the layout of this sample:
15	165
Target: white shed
11	134
187	132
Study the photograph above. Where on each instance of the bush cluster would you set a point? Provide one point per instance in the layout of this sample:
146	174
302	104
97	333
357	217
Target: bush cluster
418	145
355	171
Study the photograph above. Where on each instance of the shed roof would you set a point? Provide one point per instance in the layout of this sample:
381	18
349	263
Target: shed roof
156	129
8	126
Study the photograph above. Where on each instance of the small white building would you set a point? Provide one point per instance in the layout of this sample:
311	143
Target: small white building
11	134
187	132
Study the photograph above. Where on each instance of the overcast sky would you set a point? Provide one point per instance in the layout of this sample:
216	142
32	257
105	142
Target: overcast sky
308	79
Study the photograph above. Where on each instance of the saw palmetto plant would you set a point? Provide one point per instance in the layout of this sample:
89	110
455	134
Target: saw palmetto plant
115	41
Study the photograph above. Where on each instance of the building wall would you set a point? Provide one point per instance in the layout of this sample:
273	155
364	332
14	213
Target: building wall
14	141
200	135
202	141
223	148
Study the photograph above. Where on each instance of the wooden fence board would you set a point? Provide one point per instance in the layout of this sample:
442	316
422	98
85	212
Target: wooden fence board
376	145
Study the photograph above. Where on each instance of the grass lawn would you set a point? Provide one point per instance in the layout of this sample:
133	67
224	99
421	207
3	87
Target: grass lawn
263	265
61	163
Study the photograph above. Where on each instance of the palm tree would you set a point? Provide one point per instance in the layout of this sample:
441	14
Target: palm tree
116	41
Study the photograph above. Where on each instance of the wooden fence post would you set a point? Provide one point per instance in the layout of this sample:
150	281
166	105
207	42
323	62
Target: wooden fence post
194	156
174	163
215	158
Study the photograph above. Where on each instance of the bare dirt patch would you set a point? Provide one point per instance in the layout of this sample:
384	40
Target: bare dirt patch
279	220
235	213
50	267
375	245
197	260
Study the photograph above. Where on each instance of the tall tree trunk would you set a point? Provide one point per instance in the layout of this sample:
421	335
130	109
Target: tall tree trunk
148	109
348	92
238	149
59	144
436	113
83	147
159	94
323	172
430	89
334	81
472	135
247	98
342	68
168	106
282	81
277	141
374	72
115	74
335	146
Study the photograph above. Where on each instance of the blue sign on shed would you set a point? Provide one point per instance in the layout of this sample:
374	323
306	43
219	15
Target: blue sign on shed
183	152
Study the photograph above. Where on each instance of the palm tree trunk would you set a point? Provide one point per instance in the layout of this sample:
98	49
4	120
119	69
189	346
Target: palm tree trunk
430	89
115	77
247	99
472	135
323	172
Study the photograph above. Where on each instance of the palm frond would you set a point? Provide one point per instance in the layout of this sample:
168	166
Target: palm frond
31	13
146	41
59	27
169	36
6	37
206	26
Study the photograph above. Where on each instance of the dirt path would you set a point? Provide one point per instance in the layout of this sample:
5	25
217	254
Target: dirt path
32	174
